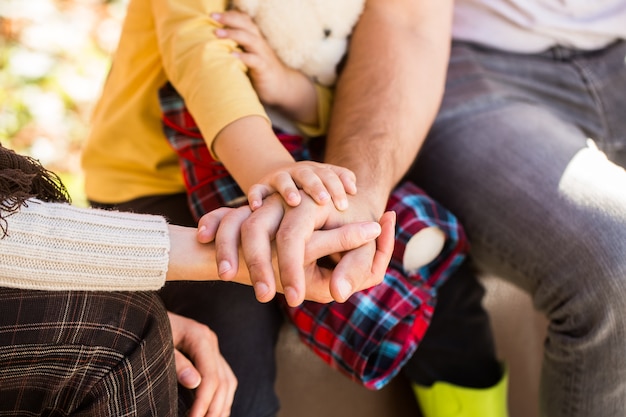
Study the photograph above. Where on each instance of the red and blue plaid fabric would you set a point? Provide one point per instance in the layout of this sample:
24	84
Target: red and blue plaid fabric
208	183
375	332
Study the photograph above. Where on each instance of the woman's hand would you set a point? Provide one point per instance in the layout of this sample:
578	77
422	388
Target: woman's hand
200	366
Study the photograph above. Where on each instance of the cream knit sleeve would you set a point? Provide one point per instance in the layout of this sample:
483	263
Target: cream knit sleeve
55	246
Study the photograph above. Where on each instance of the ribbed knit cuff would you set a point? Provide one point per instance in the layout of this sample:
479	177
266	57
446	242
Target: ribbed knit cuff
55	246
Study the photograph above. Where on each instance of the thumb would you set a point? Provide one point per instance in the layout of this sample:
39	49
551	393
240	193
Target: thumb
341	239
188	376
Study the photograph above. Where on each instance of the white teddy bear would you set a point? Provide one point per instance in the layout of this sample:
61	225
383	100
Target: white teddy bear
307	35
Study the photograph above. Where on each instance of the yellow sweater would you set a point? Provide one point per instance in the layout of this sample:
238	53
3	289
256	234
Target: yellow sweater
127	155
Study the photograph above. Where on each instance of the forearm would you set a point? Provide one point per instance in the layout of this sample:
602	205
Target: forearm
190	260
249	149
323	103
389	92
297	98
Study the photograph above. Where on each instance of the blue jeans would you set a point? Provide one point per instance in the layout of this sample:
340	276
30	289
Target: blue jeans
528	151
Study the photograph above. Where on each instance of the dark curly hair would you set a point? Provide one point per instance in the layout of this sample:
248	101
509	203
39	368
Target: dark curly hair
21	178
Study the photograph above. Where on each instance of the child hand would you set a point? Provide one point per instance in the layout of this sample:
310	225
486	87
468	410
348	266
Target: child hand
266	71
323	182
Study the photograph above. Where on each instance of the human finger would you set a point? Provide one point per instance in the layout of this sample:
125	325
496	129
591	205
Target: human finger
246	40
227	241
239	28
257	193
365	266
214	396
286	186
311	179
347	177
209	223
296	228
323	250
252	61
336	187
341	239
257	233
197	350
187	375
235	19
319	265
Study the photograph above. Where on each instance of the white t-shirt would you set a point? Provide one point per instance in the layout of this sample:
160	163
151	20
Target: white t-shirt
535	25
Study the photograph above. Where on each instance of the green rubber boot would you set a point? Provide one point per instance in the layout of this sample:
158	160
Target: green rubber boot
447	400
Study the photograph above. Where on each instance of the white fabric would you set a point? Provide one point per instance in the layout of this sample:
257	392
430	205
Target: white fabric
535	25
54	246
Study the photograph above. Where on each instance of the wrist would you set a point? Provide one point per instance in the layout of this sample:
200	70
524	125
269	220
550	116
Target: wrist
190	260
297	99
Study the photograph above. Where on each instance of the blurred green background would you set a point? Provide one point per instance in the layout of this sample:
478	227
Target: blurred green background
54	57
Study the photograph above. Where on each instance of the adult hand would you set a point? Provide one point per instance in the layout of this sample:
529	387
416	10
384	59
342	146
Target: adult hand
302	239
200	366
356	269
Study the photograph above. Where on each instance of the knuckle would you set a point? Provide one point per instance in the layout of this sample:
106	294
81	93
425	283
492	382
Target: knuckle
251	225
222	249
255	264
207	333
345	239
286	234
229	216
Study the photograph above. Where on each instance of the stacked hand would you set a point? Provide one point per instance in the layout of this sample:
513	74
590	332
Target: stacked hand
301	236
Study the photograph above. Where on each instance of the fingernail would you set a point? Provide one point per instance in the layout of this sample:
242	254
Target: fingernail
292	198
342	204
370	230
220	33
216	16
291	295
344	288
201	229
261	289
223	267
189	378
324	196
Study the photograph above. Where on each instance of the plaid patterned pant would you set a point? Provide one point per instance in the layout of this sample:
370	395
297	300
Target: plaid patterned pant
85	354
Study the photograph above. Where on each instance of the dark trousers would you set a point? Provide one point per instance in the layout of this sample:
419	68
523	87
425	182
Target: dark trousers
247	330
458	347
